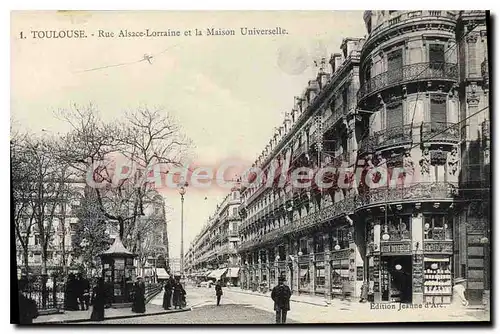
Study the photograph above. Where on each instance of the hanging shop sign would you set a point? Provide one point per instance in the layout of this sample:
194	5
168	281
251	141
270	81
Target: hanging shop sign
438	247
395	247
341	254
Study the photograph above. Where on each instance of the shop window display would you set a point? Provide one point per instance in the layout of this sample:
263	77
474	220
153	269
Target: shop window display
437	280
397	228
340	271
437	227
320	279
340	239
304	277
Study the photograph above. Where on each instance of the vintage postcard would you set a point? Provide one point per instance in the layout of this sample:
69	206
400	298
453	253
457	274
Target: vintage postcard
250	167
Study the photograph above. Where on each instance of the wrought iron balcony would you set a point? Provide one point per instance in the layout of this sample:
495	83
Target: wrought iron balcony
440	131
336	115
301	149
389	137
408	73
419	191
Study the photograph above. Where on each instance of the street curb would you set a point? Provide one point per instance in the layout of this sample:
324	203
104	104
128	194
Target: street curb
291	299
72	321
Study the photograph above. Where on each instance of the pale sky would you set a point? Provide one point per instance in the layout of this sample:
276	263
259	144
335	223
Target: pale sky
227	92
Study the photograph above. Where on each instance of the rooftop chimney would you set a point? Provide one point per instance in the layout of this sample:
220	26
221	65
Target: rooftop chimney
335	62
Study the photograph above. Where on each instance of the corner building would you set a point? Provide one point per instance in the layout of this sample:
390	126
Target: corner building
412	97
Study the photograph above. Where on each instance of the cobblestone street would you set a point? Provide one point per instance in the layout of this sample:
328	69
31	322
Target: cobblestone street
208	314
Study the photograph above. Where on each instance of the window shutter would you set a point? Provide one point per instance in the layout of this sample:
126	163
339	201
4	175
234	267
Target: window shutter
436	56
436	53
438	109
395	66
394	115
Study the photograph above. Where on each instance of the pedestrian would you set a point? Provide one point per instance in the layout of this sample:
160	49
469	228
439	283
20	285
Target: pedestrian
71	294
167	295
98	300
218	291
79	292
85	286
346	288
281	296
364	292
139	304
179	292
28	309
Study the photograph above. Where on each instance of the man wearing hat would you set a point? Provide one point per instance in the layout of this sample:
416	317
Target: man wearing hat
281	296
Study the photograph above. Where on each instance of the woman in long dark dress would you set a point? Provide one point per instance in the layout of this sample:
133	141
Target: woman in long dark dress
98	301
167	295
139	305
179	292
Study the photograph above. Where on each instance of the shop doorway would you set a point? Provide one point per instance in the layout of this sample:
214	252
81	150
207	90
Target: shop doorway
396	278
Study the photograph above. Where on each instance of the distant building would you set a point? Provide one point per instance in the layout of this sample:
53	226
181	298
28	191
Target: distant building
213	253
175	266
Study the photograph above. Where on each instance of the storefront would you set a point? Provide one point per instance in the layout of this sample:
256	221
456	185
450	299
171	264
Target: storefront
409	258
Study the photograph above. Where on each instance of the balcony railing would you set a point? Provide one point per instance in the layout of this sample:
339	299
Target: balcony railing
440	131
408	73
336	115
332	211
407	16
303	148
389	137
402	135
418	191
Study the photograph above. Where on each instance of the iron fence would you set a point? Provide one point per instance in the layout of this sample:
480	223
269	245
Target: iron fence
48	292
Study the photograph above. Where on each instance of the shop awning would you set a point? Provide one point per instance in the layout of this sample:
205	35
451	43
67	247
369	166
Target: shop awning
436	259
233	272
217	274
162	273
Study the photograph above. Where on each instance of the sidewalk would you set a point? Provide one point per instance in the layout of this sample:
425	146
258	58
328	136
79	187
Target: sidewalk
354	312
110	313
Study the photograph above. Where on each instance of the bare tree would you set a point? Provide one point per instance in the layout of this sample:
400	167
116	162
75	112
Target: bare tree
22	191
149	231
91	237
49	178
144	137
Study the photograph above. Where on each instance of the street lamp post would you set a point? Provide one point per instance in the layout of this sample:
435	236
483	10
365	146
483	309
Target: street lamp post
182	191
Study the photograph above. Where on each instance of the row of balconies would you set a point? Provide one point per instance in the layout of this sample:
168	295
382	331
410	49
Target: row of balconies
400	136
225	249
408	73
303	258
424	191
